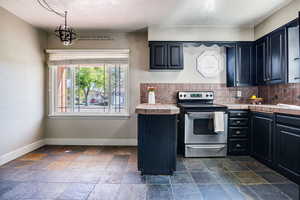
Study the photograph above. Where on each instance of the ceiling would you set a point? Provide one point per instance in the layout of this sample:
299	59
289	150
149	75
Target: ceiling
130	15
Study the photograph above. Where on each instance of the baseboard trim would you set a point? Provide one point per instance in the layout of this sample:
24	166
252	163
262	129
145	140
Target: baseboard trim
92	141
21	151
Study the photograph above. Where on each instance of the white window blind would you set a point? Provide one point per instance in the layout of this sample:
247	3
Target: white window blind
61	57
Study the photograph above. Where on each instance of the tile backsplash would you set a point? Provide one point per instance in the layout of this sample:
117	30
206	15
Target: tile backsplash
273	94
166	92
281	93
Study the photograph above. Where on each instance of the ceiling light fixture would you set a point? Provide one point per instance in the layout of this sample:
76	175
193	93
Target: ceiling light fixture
65	33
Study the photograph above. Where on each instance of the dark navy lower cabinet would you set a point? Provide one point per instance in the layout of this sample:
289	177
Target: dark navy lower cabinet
157	144
262	137
287	149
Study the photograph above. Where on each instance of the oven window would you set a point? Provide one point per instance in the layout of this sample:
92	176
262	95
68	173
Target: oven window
204	127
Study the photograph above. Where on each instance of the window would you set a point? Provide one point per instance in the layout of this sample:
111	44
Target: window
88	89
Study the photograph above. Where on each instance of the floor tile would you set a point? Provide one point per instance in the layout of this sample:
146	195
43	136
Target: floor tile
257	167
33	156
204	177
132	192
235	166
48	190
76	191
195	165
181	177
272	177
268	192
189	191
249	177
157	179
236	192
104	192
21	191
111	177
225	177
210	192
133	178
159	192
289	189
7	186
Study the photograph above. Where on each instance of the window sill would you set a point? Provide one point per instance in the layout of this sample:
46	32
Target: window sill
89	116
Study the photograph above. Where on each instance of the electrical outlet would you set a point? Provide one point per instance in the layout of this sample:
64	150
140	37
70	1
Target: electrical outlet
239	94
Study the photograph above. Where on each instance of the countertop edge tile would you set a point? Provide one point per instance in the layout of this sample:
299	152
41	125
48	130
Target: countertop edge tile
157	109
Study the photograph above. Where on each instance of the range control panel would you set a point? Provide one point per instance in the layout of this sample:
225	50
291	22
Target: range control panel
196	95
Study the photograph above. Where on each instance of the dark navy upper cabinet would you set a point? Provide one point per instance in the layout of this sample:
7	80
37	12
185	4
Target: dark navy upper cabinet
260	59
175	56
276	67
240	64
166	55
158	55
244	64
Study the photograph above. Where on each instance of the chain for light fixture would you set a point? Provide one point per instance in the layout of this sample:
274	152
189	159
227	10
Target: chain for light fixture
65	33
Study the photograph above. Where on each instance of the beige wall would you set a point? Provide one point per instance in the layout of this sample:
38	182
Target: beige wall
139	73
21	83
191	33
279	18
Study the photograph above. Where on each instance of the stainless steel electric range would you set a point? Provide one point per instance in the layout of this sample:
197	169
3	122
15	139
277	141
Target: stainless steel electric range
202	125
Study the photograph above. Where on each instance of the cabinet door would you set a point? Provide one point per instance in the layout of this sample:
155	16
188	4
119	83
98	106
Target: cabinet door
175	56
276	70
244	64
287	151
293	52
230	65
262	138
261	61
158	55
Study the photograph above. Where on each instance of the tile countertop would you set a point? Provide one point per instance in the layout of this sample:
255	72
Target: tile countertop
157	109
266	108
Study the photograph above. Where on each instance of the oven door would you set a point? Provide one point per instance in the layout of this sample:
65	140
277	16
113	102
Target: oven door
199	128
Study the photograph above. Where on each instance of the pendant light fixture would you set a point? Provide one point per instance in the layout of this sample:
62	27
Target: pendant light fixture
65	33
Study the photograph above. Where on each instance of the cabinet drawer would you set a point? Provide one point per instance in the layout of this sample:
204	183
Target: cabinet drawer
288	120
238	114
238	132
238	122
238	146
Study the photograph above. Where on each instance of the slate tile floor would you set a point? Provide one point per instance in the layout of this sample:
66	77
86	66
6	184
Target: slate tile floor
109	173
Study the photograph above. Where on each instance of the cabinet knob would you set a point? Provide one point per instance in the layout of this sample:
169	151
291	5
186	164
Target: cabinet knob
238	122
238	145
238	132
239	114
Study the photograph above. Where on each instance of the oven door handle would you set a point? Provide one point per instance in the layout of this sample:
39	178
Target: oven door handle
200	115
219	147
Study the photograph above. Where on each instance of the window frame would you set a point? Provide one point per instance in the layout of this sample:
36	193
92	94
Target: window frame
52	96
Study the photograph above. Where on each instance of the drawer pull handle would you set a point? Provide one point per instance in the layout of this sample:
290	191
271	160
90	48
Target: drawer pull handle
238	132
238	145
238	122
239	114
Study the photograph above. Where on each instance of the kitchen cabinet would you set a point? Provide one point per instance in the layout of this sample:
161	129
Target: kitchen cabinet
261	54
288	146
276	70
240	64
166	55
293	52
238	135
262	137
157	144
